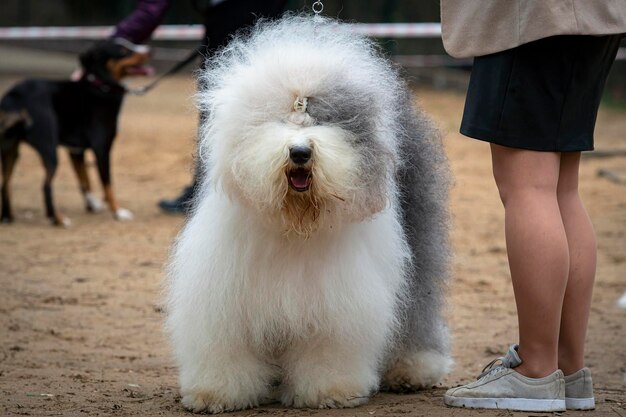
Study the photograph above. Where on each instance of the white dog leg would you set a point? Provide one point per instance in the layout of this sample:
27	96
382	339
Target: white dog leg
215	380
326	373
416	370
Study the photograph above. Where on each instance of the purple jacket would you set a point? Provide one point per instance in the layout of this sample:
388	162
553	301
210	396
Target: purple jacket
139	25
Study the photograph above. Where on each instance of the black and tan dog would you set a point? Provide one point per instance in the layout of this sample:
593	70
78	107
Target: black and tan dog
79	114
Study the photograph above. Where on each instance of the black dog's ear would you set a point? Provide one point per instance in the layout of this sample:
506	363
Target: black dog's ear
99	53
87	59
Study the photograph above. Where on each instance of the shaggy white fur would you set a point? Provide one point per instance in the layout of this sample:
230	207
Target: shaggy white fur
293	279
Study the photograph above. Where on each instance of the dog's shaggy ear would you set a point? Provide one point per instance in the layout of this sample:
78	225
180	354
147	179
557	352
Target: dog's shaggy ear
9	120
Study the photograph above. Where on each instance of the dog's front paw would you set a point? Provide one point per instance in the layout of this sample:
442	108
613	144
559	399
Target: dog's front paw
199	403
211	403
343	400
339	397
60	220
123	214
93	203
6	219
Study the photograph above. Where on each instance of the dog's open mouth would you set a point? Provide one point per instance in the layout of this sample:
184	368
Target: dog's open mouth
139	70
299	179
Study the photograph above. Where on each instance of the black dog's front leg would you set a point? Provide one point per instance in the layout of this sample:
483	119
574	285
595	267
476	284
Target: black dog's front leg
92	203
103	159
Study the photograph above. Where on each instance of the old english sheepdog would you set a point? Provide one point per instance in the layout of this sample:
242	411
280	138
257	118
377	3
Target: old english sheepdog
312	267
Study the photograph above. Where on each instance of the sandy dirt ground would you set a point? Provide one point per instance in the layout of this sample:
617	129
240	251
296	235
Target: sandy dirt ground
80	308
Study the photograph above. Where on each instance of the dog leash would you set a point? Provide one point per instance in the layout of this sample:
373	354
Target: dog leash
138	91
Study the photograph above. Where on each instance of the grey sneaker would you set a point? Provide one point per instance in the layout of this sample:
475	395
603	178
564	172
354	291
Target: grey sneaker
500	387
579	391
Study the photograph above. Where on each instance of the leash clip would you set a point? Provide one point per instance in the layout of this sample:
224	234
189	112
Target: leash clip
317	7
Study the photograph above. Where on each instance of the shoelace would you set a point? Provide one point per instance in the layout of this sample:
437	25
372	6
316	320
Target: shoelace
491	367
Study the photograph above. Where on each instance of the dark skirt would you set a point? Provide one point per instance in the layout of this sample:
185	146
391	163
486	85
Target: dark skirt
541	96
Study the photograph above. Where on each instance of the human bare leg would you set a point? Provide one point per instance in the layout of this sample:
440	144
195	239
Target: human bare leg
582	252
537	249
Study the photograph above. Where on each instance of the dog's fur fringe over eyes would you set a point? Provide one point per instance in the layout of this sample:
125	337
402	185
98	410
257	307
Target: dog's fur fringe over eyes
315	297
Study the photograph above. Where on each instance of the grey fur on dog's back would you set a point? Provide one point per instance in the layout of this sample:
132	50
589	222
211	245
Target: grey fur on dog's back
423	181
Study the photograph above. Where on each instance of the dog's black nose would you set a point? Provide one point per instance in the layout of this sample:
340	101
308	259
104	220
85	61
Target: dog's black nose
300	154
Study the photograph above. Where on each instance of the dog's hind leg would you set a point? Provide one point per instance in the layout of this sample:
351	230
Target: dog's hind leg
421	356
9	154
55	217
43	137
415	367
13	127
92	203
422	351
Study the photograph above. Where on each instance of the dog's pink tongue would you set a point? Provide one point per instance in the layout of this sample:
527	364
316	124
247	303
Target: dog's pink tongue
300	181
141	70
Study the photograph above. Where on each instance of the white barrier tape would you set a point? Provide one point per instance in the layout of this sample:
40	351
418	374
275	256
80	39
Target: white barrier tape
195	32
54	32
179	32
397	30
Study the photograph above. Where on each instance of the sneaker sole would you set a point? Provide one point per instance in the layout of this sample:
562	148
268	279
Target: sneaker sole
580	403
517	404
